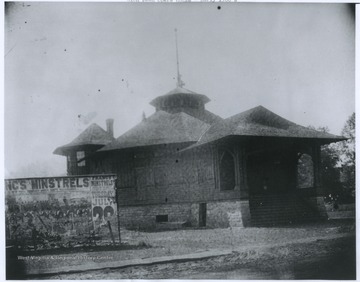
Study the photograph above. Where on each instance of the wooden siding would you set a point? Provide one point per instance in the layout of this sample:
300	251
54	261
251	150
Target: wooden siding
162	174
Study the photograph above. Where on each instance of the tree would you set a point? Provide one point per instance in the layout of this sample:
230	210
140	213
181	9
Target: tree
330	170
329	167
347	157
338	164
348	146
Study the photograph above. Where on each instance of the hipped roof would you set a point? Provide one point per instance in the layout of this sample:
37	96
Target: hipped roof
161	128
166	128
92	135
259	121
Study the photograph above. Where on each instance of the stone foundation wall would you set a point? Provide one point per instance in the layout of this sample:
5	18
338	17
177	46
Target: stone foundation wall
144	217
228	214
219	214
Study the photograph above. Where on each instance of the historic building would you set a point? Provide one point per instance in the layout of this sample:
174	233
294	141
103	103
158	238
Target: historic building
186	164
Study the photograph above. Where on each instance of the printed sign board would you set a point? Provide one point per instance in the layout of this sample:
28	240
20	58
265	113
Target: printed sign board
73	205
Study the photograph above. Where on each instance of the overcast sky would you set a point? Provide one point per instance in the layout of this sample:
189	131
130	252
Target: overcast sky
109	60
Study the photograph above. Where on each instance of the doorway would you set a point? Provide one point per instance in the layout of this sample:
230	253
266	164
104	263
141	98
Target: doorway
202	214
270	173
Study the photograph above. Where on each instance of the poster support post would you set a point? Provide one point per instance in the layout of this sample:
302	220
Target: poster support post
117	212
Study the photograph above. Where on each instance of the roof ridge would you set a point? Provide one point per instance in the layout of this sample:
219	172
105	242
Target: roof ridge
91	131
182	120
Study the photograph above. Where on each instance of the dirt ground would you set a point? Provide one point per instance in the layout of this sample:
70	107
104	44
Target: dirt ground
325	259
197	240
275	262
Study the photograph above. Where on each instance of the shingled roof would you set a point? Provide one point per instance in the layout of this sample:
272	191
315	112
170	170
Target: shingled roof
203	115
259	121
92	135
161	128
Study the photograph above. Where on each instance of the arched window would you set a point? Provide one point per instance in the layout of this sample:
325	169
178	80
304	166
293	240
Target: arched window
305	172
227	171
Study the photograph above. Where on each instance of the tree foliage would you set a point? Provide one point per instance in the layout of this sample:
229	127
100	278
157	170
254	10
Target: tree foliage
347	155
338	164
330	171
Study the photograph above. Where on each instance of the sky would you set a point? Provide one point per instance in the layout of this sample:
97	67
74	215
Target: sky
68	65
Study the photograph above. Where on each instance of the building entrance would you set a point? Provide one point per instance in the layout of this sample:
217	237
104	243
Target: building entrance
270	173
202	214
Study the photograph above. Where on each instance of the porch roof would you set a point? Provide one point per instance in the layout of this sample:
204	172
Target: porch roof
260	121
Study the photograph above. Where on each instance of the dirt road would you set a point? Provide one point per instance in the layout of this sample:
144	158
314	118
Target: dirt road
323	259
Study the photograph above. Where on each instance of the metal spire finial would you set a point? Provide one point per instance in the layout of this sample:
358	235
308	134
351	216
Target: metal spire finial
179	83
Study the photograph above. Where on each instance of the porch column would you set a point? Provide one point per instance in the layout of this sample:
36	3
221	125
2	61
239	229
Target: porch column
317	170
241	172
320	191
244	190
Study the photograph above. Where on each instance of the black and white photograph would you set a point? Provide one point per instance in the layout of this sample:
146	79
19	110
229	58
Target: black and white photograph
177	140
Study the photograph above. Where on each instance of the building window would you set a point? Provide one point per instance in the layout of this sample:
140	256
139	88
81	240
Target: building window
79	156
227	171
305	172
162	218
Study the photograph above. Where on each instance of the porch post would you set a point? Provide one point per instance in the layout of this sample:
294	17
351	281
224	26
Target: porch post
317	171
320	191
244	190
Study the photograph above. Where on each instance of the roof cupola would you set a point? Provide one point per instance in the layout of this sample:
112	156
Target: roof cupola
180	99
